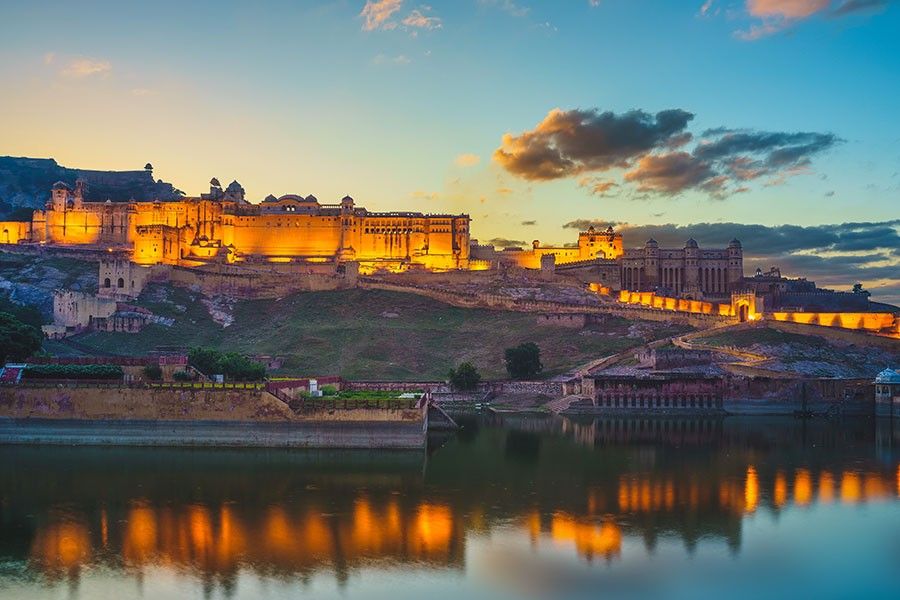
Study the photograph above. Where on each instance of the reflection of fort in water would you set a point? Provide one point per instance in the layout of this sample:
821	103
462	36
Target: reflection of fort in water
218	513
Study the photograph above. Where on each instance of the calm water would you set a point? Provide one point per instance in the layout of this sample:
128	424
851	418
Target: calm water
516	507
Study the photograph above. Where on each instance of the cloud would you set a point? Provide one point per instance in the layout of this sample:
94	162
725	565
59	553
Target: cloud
507	6
570	142
384	59
421	21
378	13
833	255
851	7
79	68
705	8
597	185
49	57
505	243
655	153
467	160
786	9
777	15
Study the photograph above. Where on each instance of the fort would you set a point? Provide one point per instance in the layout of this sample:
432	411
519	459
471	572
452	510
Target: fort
219	243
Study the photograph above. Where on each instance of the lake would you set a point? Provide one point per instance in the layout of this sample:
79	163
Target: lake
512	506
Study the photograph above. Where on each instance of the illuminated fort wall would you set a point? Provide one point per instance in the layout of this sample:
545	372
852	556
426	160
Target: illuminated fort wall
221	225
591	245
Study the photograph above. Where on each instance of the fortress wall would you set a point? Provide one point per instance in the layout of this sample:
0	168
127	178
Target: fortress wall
13	232
867	321
167	404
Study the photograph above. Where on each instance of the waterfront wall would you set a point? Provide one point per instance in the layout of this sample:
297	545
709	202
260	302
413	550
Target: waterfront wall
307	434
157	416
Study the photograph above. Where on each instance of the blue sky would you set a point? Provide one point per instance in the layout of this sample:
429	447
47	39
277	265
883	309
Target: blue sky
404	105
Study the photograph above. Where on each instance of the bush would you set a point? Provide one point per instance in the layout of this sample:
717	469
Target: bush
523	361
234	366
73	372
153	372
328	390
465	377
18	340
182	376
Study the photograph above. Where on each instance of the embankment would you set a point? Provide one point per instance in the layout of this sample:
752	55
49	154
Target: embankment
195	417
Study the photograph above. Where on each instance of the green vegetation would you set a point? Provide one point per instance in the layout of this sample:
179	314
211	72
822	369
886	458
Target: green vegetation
345	333
465	377
328	390
234	366
73	372
18	340
182	376
759	335
523	361
153	372
27	314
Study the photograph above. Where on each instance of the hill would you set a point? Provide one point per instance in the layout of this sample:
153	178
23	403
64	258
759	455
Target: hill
25	184
369	334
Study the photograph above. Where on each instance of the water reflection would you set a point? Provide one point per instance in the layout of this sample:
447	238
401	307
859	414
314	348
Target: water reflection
583	488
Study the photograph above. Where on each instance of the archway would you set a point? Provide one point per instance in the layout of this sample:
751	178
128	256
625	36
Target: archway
107	282
743	313
121	282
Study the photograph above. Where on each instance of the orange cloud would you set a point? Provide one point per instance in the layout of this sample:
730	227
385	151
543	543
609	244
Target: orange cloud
377	14
786	9
467	160
86	67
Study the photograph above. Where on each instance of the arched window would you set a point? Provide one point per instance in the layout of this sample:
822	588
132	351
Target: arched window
106	282
121	282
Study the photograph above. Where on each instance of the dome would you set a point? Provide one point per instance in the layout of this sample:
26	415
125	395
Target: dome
270	198
347	199
652	242
312	198
888	376
234	186
591	229
734	244
60	185
691	243
215	182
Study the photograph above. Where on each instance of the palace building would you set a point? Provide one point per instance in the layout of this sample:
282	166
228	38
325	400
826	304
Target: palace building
222	226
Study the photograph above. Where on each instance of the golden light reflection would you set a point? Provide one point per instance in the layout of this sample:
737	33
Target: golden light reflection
780	493
751	490
826	487
590	539
802	487
851	487
62	544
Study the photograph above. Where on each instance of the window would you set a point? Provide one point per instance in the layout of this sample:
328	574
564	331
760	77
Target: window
106	282
121	282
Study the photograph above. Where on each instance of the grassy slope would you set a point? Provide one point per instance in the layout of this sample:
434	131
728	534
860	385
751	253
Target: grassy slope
344	333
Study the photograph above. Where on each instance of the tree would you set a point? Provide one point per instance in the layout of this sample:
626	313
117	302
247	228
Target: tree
153	372
18	340
206	360
465	377
523	361
858	289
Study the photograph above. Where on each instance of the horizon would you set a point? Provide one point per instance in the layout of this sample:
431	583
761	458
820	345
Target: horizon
770	120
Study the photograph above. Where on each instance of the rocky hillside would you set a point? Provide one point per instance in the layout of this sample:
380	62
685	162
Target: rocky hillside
25	184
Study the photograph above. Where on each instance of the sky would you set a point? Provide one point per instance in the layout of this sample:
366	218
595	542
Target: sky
774	121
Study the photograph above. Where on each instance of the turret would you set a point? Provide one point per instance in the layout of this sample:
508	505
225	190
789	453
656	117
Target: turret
59	196
735	264
346	205
651	263
691	267
80	191
234	192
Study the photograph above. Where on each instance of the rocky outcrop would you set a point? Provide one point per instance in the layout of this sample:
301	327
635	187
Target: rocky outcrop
25	183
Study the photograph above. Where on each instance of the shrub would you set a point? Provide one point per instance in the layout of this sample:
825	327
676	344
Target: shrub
465	377
153	372
232	365
18	340
328	390
523	361
73	372
182	376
